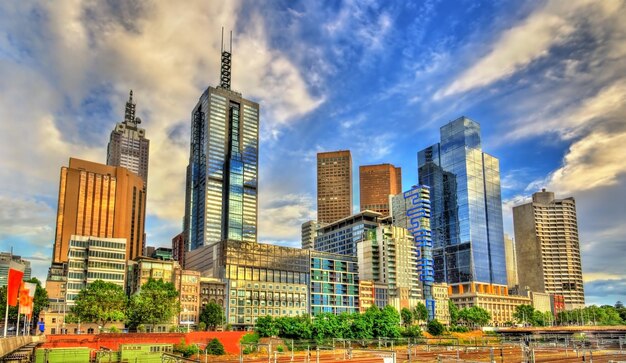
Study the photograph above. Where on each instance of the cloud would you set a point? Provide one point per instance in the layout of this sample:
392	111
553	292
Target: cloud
281	216
27	219
517	47
62	54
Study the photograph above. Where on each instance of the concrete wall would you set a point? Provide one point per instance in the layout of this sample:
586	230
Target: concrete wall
7	345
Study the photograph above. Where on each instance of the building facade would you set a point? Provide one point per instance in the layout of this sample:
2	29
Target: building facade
376	184
342	235
466	205
441	298
187	284
143	268
99	201
94	258
179	248
334	185
388	257
5	260
511	261
548	249
501	307
212	290
309	232
334	283
128	146
221	187
411	210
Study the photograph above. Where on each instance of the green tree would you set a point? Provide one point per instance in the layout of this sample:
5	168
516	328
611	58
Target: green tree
325	325
101	303
435	328
420	313
388	324
362	326
155	303
524	314
3	304
475	316
407	317
266	326
215	347
454	313
212	315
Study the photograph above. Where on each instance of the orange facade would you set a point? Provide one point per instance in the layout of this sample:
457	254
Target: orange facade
100	201
334	186
377	182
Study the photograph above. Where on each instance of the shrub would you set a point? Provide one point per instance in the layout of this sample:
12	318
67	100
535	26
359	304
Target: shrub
215	347
114	330
141	328
186	350
173	329
435	327
412	331
280	349
250	338
202	326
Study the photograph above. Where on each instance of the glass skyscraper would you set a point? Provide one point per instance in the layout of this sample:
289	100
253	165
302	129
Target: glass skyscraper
221	188
466	219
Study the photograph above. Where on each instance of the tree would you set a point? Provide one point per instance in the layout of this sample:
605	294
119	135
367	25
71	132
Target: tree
101	302
215	347
475	316
435	327
454	313
407	316
420	313
619	305
266	326
155	303
524	314
388	324
212	315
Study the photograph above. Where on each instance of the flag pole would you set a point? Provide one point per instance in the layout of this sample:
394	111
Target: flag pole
6	315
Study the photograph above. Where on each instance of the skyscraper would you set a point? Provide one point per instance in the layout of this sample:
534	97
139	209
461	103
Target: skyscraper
377	183
128	146
309	232
466	219
221	188
334	186
547	246
97	200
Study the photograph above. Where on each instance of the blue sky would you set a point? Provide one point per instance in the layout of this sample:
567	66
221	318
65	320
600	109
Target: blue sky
545	79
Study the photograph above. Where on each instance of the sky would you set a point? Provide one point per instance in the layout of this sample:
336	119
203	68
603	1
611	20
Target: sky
546	80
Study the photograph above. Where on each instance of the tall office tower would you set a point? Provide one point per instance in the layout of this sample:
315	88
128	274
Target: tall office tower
221	194
411	210
309	232
128	146
334	185
377	183
548	251
466	209
100	201
511	261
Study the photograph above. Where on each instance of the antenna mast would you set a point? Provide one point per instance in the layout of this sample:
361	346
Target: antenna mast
226	63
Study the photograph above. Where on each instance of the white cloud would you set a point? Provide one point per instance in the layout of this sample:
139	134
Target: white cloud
26	219
522	44
281	216
77	48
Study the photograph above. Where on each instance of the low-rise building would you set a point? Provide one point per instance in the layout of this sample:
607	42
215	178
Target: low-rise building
493	298
212	290
334	283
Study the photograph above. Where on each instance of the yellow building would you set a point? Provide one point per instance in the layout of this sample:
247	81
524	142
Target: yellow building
493	298
440	295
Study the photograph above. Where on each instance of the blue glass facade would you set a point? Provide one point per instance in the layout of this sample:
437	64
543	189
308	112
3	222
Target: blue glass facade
334	283
221	189
466	221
